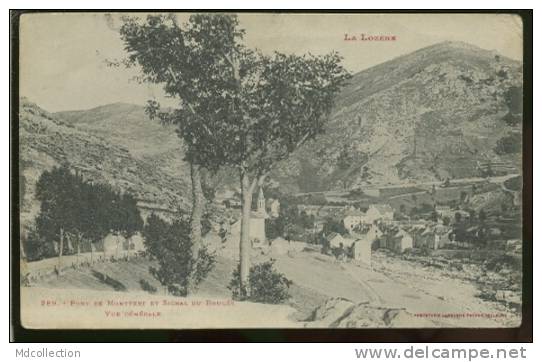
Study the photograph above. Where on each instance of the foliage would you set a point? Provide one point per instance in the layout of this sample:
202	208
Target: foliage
423	210
291	223
509	144
345	158
482	216
35	248
266	284
515	183
274	228
504	261
307	181
171	246
107	280
238	107
514	100
146	286
512	119
313	199
334	226
80	211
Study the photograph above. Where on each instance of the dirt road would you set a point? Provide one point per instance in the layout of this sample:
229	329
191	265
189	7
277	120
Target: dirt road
396	283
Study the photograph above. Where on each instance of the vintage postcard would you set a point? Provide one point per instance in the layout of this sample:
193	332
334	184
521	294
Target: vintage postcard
270	170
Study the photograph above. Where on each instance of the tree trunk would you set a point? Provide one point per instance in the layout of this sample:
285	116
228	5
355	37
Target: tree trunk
21	243
117	250
78	249
244	244
78	252
195	218
23	261
60	249
128	243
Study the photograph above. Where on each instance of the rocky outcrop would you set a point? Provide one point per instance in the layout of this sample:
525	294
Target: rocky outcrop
343	313
45	141
433	114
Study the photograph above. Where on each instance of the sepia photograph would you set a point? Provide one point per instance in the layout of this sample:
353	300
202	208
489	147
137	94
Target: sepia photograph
236	170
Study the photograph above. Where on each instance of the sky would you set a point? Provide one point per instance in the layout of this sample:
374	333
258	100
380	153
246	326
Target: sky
63	56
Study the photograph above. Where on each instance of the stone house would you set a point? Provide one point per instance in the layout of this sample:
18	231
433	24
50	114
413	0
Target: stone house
335	240
401	241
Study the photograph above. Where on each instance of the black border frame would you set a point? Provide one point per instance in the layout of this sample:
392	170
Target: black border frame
523	333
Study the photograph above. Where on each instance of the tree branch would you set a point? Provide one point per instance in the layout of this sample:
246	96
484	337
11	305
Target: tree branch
302	140
172	74
234	64
189	105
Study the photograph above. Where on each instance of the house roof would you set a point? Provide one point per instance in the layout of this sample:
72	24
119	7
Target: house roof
333	236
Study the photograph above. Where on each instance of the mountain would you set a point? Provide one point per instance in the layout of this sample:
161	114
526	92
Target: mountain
429	115
128	126
47	140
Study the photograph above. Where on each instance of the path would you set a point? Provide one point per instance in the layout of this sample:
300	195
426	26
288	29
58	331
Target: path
394	283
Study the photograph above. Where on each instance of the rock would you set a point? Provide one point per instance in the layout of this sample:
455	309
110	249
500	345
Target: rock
343	313
400	318
332	312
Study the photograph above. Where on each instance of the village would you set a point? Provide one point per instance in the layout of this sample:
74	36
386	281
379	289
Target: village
430	219
281	183
359	246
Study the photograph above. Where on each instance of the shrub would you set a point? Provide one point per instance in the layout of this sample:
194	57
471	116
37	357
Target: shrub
266	284
509	144
205	262
79	211
146	286
504	261
107	280
171	246
35	248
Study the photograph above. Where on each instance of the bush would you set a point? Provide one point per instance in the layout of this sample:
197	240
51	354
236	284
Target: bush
78	211
171	246
146	286
266	284
35	248
510	144
504	261
107	280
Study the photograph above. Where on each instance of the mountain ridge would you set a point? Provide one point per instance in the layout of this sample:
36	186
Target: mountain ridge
396	121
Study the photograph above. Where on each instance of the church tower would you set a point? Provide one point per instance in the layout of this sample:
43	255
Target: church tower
257	223
261	201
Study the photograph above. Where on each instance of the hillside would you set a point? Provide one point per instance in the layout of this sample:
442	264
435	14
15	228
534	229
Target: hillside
425	116
47	141
127	125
